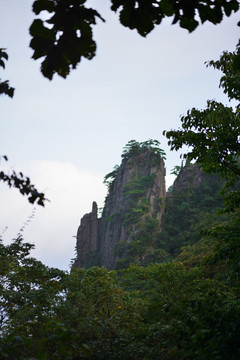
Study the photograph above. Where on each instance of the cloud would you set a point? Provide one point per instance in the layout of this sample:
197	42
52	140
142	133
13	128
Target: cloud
53	227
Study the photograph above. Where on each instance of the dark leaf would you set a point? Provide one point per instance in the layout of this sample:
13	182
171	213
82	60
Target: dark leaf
43	5
38	30
41	47
2	64
189	24
3	54
6	89
167	7
24	186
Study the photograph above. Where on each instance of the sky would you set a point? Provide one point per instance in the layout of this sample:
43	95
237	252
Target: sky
67	134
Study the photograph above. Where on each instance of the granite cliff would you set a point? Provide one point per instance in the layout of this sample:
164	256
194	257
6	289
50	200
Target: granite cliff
133	208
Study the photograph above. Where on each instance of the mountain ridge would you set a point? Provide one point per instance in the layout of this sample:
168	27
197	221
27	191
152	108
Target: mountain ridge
138	222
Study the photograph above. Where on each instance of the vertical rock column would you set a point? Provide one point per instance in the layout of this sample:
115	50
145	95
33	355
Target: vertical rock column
87	236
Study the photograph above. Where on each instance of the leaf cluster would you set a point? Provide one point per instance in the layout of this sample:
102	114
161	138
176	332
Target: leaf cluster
4	85
176	170
24	185
29	290
134	147
110	177
229	65
144	15
227	249
18	181
65	37
212	136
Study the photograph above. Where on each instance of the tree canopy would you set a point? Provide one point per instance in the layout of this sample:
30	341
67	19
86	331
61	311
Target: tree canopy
212	137
165	311
134	147
212	134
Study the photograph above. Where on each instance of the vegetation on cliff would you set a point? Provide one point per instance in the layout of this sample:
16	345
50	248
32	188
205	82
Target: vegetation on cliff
135	201
132	150
134	147
127	230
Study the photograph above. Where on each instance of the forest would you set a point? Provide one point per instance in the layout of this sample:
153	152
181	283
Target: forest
185	305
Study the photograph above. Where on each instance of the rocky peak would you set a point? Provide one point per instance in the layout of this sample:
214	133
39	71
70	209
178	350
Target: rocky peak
189	176
133	205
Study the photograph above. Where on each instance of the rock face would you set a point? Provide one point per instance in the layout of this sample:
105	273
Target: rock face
135	200
191	176
87	236
193	200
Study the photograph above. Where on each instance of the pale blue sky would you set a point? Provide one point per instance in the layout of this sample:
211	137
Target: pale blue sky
67	134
